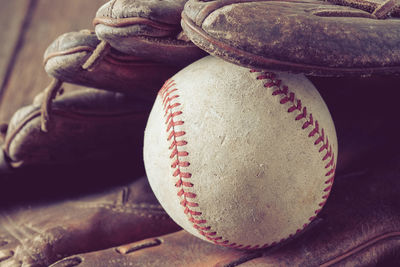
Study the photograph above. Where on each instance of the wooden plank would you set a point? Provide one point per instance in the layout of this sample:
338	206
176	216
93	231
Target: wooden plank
12	14
51	18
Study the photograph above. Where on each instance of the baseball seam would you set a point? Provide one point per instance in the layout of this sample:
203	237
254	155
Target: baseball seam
169	92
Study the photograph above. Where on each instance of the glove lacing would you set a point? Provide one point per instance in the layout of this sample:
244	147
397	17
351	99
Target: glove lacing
54	87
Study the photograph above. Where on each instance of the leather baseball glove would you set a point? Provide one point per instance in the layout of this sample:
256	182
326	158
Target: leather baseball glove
149	29
88	125
40	234
69	59
358	226
313	37
117	71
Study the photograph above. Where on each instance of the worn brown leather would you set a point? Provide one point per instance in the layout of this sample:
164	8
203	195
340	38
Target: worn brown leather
38	235
177	249
86	124
148	29
167	12
308	36
359	226
117	71
372	6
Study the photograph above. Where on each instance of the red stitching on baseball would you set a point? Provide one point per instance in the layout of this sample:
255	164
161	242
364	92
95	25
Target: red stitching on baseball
197	222
297	105
168	93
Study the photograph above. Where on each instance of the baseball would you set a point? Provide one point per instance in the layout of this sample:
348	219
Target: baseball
238	157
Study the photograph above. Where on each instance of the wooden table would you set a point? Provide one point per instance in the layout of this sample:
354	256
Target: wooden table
27	28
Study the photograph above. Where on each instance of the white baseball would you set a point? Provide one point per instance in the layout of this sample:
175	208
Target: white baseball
239	157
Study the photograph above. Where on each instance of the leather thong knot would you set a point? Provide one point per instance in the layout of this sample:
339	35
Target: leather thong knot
377	11
384	10
49	94
98	54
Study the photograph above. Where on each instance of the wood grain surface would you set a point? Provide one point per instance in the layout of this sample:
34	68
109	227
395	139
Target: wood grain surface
12	17
28	27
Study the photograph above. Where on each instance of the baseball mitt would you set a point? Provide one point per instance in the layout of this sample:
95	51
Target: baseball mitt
312	37
87	125
40	234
